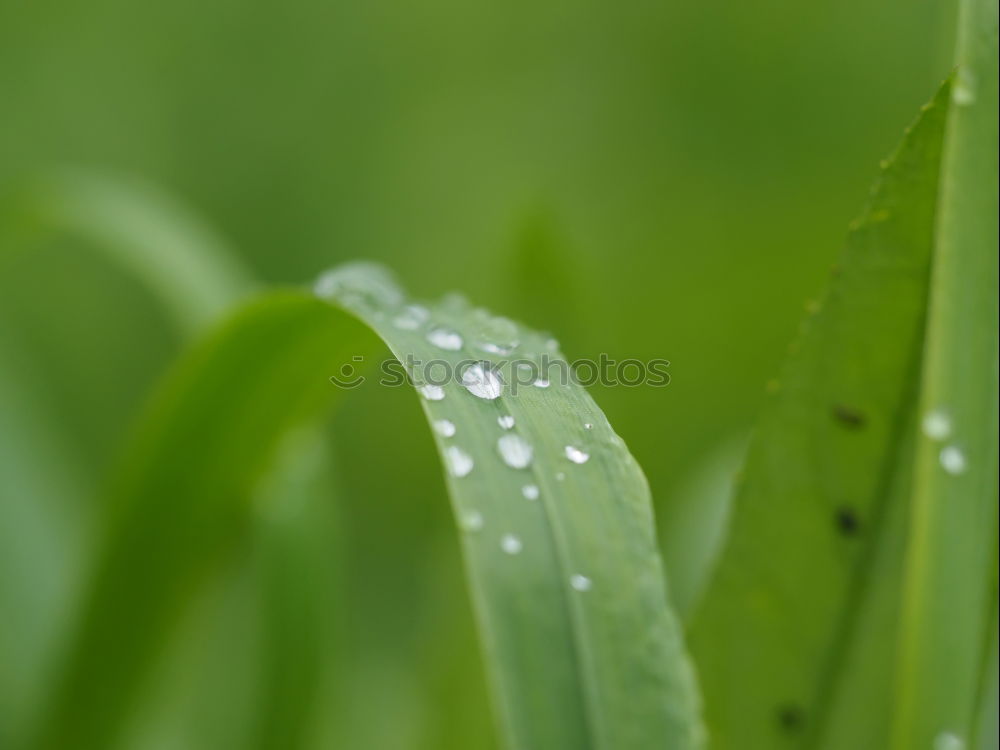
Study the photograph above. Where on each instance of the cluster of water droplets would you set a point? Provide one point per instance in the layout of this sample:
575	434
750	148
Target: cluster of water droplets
370	291
365	288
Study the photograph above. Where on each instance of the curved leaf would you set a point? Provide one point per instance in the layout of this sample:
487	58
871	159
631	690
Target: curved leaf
580	642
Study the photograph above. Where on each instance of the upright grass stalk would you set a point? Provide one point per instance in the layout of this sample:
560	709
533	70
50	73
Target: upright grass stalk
950	578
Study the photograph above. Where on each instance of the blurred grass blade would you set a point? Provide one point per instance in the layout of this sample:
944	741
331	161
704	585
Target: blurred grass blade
950	588
140	228
140	235
183	495
806	587
693	529
581	645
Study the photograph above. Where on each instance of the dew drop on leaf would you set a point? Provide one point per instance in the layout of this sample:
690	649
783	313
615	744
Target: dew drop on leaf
411	318
359	286
481	380
580	582
446	339
472	520
431	392
459	462
510	544
576	455
495	334
506	421
937	425
948	741
953	460
530	491
444	427
515	451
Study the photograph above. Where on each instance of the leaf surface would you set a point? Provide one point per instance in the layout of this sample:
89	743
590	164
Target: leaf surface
581	646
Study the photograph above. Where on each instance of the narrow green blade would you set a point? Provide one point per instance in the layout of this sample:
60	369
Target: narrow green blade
582	647
792	640
951	588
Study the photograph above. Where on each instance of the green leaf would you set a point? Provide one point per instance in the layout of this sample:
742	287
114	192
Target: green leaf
951	562
138	227
581	646
130	235
181	498
793	638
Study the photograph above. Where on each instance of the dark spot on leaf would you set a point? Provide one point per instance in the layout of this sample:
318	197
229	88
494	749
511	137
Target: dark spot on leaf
849	417
790	717
848	521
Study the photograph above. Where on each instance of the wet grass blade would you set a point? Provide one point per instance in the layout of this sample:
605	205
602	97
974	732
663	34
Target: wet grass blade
581	645
951	586
791	638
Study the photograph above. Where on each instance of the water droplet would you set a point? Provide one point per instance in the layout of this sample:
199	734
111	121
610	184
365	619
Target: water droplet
445	427
481	380
937	425
542	383
411	317
510	544
364	286
494	334
576	455
953	460
431	392
471	520
588	426
963	96
560	476
515	451
552	345
506	421
948	741
580	583
459	462
963	91
530	491
445	339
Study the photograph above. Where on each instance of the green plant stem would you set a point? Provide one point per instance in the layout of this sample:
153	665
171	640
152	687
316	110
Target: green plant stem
949	586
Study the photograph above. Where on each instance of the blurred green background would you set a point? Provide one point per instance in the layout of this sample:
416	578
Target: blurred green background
645	179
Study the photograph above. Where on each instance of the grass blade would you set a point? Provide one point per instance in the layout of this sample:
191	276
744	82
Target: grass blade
140	228
581	645
782	638
950	589
182	497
